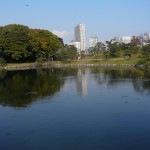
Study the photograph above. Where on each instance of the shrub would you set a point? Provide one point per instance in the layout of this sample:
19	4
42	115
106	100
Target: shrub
2	62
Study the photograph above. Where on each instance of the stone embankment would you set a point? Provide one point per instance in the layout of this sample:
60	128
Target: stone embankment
45	65
19	67
104	65
142	67
92	65
26	66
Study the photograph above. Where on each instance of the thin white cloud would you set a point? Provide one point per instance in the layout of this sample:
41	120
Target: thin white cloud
61	34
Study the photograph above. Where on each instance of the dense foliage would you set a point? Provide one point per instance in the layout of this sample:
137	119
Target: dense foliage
69	53
19	43
114	49
146	55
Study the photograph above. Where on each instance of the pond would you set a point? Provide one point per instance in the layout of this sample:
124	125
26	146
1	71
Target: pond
75	109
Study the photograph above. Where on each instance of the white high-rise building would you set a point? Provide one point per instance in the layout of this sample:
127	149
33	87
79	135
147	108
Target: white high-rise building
93	41
79	35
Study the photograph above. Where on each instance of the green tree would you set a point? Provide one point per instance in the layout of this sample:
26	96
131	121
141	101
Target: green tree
146	50
126	50
68	53
2	62
44	43
113	47
98	48
135	44
14	42
106	54
18	43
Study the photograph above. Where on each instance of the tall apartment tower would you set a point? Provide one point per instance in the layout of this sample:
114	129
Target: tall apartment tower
79	35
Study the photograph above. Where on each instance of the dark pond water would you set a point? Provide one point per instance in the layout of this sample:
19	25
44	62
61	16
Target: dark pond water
75	109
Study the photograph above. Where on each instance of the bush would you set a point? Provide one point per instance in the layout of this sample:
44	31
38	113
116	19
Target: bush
2	62
145	61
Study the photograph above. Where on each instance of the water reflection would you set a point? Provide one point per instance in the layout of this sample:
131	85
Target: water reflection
81	82
21	88
115	76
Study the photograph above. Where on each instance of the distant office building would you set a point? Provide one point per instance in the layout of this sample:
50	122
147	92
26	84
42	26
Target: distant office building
145	38
123	39
79	35
118	39
76	44
93	41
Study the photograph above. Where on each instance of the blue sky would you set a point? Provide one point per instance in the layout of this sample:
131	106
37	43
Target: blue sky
103	18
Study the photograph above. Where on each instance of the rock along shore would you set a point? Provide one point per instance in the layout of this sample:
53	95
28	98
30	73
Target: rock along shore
46	65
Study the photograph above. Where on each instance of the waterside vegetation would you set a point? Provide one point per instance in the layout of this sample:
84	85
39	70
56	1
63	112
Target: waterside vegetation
22	47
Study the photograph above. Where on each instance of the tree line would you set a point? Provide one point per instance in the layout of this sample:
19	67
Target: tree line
19	43
112	49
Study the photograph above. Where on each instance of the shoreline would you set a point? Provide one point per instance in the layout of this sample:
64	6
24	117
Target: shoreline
26	66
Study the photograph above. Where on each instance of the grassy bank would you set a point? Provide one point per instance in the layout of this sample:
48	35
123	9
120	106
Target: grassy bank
98	60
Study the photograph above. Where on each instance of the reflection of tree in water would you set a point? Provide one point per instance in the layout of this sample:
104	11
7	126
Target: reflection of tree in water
142	85
115	76
20	88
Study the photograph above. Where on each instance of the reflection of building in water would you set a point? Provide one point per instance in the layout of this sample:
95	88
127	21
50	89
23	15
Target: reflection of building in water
81	83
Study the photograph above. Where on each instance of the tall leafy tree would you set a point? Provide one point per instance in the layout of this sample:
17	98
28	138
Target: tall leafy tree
98	48
18	43
113	47
15	42
135	44
126	50
68	53
43	43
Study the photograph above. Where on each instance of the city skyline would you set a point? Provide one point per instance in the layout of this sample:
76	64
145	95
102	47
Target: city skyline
104	19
